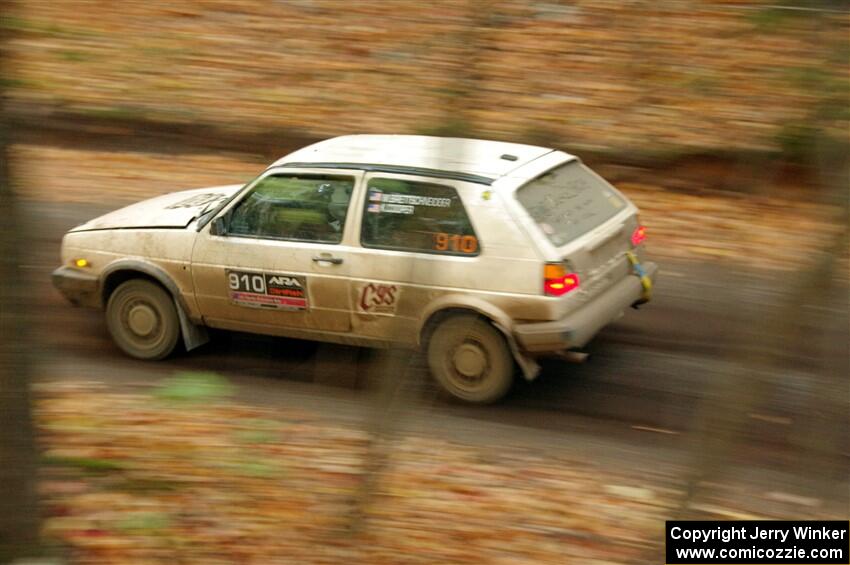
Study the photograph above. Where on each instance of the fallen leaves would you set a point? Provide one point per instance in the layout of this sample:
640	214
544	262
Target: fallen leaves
592	74
114	177
762	232
146	480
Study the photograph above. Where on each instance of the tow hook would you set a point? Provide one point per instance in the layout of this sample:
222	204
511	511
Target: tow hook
645	281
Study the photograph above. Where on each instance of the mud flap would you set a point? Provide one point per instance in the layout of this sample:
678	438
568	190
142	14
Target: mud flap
194	335
530	367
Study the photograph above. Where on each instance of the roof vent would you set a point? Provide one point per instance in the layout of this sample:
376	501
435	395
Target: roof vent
509	157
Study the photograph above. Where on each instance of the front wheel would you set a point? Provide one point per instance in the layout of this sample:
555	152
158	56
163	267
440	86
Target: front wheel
470	360
142	320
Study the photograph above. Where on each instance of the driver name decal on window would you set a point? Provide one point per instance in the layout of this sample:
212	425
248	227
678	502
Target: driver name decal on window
266	290
380	202
397	203
417	216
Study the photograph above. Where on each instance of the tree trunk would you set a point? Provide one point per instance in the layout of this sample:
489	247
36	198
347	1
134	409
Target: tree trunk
19	520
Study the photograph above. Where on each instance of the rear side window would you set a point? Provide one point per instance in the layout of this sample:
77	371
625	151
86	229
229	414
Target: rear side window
569	201
416	216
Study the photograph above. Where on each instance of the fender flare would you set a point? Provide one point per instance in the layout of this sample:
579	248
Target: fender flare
146	268
194	335
501	321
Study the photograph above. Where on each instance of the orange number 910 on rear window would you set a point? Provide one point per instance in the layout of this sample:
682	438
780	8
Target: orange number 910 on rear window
455	242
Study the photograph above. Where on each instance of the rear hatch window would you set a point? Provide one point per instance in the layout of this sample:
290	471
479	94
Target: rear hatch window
569	201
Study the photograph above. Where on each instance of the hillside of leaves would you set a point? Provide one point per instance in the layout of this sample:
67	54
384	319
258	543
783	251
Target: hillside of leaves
696	75
182	474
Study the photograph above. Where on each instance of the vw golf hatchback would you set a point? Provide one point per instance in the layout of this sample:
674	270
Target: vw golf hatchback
484	254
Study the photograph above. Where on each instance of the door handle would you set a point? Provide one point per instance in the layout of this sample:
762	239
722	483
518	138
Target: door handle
327	259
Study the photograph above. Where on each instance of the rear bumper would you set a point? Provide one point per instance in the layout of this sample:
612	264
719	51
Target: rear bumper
579	327
81	289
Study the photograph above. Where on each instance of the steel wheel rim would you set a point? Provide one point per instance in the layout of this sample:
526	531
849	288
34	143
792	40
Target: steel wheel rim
141	322
474	361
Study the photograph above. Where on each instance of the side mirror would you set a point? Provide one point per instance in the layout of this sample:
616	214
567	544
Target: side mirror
218	227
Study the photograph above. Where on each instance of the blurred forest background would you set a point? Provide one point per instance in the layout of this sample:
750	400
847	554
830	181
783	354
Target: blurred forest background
622	77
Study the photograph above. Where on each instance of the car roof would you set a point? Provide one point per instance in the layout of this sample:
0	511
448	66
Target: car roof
473	160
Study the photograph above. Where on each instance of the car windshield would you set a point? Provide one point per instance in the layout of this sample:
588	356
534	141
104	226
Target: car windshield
211	212
568	201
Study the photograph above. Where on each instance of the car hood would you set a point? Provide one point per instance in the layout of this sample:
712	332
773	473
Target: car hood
174	210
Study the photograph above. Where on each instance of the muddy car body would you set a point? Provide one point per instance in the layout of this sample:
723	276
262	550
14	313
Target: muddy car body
485	254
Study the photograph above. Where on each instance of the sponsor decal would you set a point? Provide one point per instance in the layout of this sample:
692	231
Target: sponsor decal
197	200
375	298
267	290
375	195
375	208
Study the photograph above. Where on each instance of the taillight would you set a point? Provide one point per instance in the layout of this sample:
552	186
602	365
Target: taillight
557	281
638	235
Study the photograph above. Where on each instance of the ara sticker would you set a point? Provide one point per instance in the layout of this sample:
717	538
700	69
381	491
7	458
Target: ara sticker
266	290
377	298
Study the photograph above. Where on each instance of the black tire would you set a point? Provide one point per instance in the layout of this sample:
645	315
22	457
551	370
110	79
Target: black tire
142	320
470	360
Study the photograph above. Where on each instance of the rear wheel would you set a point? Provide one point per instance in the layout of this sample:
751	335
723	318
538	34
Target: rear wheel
142	320
470	360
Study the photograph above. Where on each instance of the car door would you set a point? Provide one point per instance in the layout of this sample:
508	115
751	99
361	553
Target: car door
277	256
416	240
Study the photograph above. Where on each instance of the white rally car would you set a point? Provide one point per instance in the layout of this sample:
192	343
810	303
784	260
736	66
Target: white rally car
485	254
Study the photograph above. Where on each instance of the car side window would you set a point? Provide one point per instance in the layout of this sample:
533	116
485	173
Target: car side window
417	216
294	207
